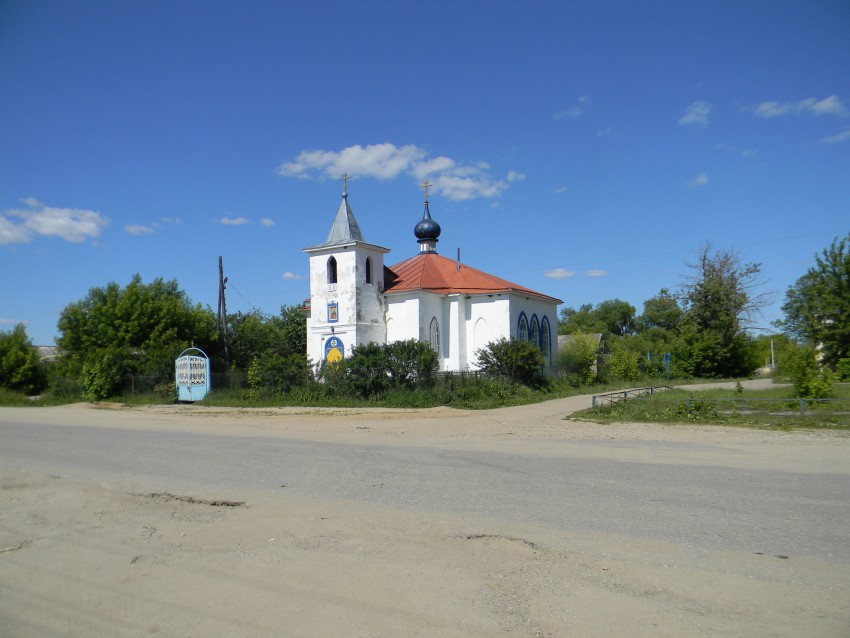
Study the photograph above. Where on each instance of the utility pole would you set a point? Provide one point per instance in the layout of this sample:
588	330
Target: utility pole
222	313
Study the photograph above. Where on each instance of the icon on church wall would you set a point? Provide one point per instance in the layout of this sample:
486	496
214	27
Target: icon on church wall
334	350
333	312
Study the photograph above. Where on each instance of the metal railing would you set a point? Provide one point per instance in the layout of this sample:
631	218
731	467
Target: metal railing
609	398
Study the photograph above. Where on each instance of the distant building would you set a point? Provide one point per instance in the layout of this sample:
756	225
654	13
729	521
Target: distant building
355	299
48	354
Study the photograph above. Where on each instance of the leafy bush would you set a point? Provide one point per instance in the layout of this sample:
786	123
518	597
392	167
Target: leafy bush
842	369
275	373
20	367
622	363
577	359
373	370
519	361
166	391
810	379
410	363
697	410
101	377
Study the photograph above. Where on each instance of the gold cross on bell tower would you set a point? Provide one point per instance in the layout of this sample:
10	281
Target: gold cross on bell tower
425	186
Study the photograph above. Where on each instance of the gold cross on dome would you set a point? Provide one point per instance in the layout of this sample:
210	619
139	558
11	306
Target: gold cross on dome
425	186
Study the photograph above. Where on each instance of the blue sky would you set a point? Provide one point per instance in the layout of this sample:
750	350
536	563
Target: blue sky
585	150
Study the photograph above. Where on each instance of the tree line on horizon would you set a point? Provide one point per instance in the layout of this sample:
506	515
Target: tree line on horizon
704	329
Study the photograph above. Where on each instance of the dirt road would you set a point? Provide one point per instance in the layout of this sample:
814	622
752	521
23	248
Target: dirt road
85	552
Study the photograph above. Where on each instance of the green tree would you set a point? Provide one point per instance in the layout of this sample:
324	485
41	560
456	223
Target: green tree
772	348
20	367
817	306
610	317
661	316
254	333
520	361
617	317
578	358
582	320
721	300
138	329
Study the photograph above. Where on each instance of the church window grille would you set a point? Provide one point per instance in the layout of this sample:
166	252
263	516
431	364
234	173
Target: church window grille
545	343
435	335
522	328
332	270
368	270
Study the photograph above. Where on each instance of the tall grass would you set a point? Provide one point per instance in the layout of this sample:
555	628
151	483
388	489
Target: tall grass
772	408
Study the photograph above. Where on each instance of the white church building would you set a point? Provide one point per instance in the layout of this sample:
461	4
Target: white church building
356	299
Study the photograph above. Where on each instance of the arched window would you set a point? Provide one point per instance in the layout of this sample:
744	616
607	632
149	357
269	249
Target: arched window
545	344
522	328
332	270
368	270
535	331
434	337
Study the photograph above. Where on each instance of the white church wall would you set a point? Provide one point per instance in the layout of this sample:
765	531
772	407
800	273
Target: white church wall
488	320
369	304
402	313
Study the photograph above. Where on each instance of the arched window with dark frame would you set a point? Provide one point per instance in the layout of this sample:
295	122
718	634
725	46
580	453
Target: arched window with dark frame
434	336
545	338
522	328
534	336
368	270
332	270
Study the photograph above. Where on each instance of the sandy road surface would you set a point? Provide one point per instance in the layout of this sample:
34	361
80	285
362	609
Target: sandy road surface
90	554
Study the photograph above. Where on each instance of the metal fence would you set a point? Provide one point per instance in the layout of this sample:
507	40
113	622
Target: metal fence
609	398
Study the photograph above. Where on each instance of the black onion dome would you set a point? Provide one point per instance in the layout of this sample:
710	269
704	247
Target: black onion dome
427	229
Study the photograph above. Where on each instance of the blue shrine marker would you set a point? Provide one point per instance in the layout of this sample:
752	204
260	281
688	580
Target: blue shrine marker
334	350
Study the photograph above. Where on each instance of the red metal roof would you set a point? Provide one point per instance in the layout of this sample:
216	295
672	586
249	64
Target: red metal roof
434	273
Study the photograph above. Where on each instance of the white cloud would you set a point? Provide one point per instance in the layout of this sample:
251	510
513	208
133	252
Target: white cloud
268	223
448	177
171	220
71	224
831	105
696	113
463	185
577	111
699	180
12	233
421	170
290	276
381	161
513	176
558	273
843	136
560	189
233	221
596	273
5	321
750	152
137	229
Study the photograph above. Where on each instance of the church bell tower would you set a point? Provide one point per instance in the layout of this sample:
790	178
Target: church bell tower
346	282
